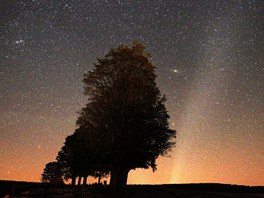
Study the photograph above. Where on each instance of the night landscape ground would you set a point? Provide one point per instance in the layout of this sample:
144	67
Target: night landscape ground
30	189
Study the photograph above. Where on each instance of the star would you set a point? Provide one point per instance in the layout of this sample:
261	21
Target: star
19	41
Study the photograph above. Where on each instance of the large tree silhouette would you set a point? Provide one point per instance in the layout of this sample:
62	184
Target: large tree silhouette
125	115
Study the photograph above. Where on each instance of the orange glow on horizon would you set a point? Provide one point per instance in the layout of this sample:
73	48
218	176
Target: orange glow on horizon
169	172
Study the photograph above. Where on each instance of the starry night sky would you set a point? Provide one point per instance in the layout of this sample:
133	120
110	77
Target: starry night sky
210	64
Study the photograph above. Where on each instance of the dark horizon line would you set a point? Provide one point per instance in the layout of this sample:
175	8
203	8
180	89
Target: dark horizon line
226	184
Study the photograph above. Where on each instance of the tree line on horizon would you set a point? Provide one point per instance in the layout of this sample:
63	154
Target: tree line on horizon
123	126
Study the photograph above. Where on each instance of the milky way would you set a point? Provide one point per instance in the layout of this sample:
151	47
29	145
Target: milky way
209	57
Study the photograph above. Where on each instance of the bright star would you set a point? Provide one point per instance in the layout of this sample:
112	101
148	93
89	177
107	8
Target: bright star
19	41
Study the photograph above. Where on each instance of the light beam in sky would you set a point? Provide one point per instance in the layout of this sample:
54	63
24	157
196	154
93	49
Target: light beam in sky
200	132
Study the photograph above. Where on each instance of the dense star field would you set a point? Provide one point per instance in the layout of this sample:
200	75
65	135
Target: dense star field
210	64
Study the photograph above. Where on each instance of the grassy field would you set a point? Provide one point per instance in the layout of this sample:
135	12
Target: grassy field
28	189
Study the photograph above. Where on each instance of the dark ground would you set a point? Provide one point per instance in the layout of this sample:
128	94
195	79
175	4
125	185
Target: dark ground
29	189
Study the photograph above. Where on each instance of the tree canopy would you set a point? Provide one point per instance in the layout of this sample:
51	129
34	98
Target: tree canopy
124	124
52	174
79	157
125	118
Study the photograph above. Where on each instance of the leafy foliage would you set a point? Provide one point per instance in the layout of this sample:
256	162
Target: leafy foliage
125	117
52	174
124	125
78	157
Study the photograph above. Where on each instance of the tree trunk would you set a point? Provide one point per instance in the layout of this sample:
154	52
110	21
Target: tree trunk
79	180
99	179
118	177
85	180
73	180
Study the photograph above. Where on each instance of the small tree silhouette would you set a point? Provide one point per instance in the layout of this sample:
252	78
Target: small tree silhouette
67	159
81	157
52	174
